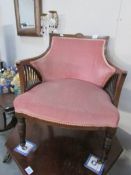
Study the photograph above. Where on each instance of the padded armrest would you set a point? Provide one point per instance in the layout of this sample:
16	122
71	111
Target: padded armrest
29	76
114	86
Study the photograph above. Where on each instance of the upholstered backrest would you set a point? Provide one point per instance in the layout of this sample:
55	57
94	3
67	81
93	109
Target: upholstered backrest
78	58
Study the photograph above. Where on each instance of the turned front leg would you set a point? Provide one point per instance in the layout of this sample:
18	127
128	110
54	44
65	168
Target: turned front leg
51	132
107	143
22	131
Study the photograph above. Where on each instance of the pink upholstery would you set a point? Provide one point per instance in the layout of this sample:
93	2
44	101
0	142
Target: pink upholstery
70	102
75	58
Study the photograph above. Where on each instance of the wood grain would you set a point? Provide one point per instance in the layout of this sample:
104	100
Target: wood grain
63	154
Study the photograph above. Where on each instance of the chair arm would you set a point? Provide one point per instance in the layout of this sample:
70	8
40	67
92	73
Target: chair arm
29	76
114	86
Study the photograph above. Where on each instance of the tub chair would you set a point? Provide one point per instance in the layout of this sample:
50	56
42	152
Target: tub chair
71	85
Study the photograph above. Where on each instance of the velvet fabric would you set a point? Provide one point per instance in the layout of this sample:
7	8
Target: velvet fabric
79	58
70	102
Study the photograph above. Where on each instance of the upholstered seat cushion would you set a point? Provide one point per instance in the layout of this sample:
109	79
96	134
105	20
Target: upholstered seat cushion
69	102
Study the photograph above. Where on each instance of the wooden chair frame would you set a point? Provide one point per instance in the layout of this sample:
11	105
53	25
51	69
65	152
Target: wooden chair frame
113	88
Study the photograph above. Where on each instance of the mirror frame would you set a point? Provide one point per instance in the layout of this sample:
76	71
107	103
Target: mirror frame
36	31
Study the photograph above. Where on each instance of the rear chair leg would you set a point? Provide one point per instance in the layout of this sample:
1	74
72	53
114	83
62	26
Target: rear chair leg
22	132
51	132
107	143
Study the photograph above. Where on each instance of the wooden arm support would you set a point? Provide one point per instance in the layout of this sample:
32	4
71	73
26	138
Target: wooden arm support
114	86
29	76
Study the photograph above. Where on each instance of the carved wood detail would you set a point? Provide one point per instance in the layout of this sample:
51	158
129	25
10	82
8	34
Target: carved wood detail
32	77
29	76
111	86
22	130
114	86
109	135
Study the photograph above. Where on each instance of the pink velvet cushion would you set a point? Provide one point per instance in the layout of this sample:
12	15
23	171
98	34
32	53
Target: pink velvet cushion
69	102
75	58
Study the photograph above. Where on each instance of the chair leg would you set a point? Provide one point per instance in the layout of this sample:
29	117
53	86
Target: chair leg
22	131
7	158
51	132
107	143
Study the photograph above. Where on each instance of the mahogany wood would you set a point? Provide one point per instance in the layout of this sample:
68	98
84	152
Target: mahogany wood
63	154
22	130
109	134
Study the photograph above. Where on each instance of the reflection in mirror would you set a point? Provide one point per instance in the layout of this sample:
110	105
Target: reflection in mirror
27	17
28	13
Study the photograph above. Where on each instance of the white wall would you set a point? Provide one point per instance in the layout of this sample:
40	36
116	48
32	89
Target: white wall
85	16
7	31
101	17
